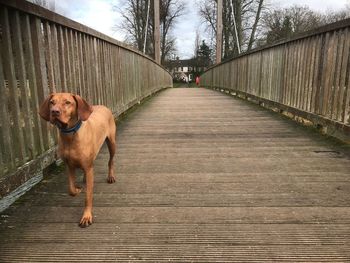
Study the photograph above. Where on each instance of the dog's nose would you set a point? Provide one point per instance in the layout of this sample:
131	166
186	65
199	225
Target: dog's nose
55	112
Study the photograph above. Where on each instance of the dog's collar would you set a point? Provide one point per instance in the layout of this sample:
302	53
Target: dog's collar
74	129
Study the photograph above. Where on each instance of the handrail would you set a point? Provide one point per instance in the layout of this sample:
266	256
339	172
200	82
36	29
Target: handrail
307	76
45	14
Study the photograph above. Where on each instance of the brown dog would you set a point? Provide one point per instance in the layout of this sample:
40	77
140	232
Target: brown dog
83	129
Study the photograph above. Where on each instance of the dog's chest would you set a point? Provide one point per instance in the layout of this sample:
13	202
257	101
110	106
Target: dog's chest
75	155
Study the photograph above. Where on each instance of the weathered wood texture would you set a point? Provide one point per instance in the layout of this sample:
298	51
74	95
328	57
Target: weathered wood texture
42	52
201	177
307	76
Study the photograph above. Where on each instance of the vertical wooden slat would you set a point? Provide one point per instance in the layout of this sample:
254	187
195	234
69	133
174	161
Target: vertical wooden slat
122	79
51	63
61	56
307	79
292	72
67	58
84	67
104	75
332	51
274	74
41	78
87	67
94	72
102	72
308	68
24	90
260	74
304	76
32	78
323	77
72	62
100	87
99	71
113	87
80	64
270	75
301	85
287	74
316	80
108	92
119	80
282	74
343	76
346	100
319	73
49	57
296	74
56	57
313	76
336	88
89	70
111	93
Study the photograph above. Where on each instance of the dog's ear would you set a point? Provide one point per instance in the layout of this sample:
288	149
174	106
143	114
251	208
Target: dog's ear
44	110
84	108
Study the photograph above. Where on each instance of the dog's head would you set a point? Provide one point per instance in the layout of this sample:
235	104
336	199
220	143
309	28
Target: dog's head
62	109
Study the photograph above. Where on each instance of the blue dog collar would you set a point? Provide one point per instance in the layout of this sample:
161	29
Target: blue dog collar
73	129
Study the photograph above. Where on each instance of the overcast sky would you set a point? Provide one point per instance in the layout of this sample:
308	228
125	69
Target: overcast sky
98	14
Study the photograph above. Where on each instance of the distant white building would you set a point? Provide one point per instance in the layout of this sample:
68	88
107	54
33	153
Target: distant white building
185	70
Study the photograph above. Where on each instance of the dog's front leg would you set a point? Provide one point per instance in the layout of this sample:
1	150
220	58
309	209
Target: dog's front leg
73	189
86	219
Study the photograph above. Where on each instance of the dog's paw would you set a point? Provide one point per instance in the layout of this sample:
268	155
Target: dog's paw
111	179
86	220
77	190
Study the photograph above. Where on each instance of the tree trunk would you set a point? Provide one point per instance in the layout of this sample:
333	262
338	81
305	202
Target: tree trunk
257	18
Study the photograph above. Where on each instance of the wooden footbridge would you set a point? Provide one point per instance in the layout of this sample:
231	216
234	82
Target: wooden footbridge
234	171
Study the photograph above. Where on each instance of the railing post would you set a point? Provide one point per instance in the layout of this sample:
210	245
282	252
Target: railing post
156	32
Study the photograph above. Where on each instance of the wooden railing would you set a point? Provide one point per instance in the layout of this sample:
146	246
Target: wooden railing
42	52
307	76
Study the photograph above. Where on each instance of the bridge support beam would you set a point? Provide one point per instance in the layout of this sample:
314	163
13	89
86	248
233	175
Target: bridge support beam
219	32
156	32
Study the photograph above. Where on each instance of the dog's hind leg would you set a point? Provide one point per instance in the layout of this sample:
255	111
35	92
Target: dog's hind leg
111	143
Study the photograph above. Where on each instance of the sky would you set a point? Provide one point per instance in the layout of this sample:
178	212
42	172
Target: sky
99	15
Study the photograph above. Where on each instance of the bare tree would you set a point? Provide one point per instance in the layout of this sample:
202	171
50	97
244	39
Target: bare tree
48	4
255	24
170	10
247	15
332	16
285	23
134	14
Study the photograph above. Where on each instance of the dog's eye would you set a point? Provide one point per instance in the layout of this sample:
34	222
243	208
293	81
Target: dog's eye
52	102
68	102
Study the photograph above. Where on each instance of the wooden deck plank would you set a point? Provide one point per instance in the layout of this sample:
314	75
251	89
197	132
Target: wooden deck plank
201	177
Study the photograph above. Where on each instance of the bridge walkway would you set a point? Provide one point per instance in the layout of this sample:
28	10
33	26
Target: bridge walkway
201	177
